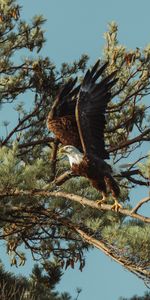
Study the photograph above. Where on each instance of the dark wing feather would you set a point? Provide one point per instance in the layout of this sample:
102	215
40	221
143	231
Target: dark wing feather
61	118
67	89
90	110
65	102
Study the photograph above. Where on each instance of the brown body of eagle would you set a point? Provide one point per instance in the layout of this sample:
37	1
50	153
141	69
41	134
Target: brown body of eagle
77	118
98	172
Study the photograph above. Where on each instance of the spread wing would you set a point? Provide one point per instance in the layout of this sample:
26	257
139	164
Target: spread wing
61	119
65	102
90	110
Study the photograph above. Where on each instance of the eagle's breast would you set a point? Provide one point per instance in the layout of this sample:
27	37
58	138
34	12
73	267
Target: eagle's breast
82	168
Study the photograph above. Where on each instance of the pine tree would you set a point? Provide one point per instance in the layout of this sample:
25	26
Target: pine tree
39	285
43	206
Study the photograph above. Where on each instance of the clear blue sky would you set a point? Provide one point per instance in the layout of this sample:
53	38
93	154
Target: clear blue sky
73	28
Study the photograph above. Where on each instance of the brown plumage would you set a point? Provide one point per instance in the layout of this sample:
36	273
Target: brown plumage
61	126
61	119
97	171
77	119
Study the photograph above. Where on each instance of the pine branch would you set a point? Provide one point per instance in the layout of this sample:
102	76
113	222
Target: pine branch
125	262
75	198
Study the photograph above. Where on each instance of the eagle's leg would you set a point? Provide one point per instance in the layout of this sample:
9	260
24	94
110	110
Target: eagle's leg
115	191
103	200
116	206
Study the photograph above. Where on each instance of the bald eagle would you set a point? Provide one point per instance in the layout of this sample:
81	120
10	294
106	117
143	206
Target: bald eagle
77	118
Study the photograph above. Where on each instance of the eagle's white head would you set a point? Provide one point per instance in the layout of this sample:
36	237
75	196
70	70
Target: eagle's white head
74	155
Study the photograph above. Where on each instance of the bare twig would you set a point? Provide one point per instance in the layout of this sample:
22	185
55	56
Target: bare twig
64	177
127	143
36	142
140	203
19	124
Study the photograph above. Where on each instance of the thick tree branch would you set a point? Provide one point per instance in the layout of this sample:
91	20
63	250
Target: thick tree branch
75	198
86	202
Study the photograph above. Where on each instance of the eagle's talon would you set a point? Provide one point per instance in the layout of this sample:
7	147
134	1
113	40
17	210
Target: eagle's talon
103	200
116	206
100	202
